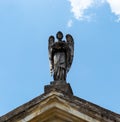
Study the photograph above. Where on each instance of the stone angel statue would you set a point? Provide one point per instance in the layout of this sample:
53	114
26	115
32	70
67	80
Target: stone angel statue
60	55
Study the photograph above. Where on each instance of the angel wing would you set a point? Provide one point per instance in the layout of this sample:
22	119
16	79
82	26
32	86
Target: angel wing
70	52
51	41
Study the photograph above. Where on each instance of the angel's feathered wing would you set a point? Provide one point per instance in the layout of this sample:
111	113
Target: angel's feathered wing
70	52
51	41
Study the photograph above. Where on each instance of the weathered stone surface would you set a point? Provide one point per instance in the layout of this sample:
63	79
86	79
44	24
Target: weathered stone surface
60	55
59	86
57	105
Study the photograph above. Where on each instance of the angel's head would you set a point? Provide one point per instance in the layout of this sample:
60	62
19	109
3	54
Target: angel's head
59	36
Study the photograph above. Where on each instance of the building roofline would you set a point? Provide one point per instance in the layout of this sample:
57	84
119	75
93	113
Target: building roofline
81	105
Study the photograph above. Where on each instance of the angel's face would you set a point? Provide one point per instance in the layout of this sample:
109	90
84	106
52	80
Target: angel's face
59	36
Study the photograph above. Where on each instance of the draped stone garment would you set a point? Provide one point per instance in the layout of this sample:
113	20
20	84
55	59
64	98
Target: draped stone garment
60	66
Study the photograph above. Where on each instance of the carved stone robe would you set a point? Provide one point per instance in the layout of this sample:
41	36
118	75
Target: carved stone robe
59	66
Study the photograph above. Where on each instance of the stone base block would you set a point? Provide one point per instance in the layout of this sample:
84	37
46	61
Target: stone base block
59	86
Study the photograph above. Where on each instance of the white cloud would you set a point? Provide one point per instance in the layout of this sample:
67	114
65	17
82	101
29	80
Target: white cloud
79	7
70	22
115	7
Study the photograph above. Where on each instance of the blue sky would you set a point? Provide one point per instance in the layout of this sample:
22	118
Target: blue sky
25	26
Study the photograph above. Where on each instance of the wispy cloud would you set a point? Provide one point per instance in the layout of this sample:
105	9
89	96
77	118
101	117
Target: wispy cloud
78	7
115	7
70	22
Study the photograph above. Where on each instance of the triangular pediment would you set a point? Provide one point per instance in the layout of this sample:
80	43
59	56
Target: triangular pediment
59	107
54	108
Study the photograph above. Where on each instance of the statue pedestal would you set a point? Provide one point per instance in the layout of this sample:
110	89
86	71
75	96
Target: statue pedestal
61	86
